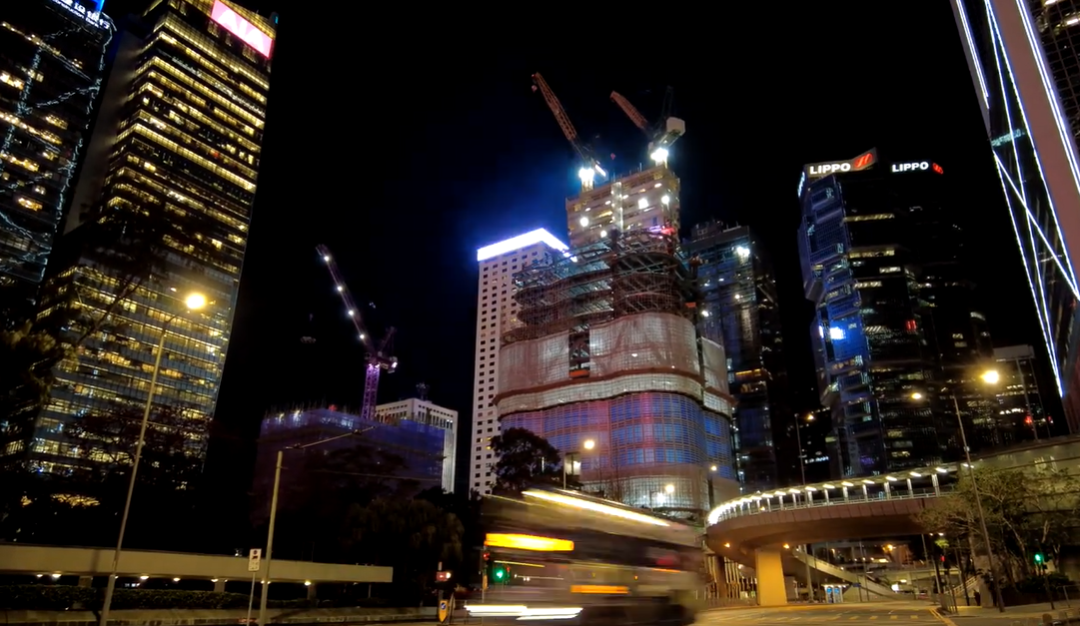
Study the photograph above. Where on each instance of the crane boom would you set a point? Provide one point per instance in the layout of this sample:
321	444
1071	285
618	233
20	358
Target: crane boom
592	164
631	111
377	358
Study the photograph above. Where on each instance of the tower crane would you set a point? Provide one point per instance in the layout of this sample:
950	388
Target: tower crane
591	164
662	134
377	358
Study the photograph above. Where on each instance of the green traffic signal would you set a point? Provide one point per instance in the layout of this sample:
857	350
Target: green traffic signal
1038	557
500	573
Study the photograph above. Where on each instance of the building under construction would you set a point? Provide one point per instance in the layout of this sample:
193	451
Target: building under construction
605	350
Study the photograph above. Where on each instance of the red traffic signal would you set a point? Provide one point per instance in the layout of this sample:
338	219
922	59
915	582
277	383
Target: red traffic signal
487	556
942	558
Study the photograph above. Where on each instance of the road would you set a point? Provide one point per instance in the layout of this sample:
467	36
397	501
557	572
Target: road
890	614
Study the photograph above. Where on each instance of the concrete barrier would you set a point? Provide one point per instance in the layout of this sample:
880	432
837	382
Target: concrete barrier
168	617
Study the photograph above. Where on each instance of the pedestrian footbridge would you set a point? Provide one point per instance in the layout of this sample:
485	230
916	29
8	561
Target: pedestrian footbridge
761	530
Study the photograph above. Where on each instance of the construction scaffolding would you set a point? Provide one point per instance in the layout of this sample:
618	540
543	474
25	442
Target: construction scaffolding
621	275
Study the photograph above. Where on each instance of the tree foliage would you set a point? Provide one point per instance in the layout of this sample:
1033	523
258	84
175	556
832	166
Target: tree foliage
1026	512
525	459
412	536
83	505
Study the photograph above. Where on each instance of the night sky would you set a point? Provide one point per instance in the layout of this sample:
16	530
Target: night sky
404	141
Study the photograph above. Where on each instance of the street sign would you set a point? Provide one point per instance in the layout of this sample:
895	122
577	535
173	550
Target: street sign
254	560
444	611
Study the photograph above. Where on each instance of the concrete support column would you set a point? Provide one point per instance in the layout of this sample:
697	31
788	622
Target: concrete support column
86	581
771	590
311	592
219	584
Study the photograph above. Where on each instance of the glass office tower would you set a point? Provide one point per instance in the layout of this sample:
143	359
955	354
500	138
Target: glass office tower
738	295
180	134
51	70
891	312
1025	68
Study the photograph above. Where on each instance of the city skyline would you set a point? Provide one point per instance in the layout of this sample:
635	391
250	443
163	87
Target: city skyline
283	296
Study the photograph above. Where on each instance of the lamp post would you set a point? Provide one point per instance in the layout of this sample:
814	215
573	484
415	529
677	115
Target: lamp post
194	302
798	441
273	513
574	457
990	377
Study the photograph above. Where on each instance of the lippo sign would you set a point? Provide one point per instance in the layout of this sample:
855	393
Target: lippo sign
916	166
861	162
245	30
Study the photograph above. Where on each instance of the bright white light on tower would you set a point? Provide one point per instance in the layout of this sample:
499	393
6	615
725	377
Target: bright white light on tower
584	221
587	175
666	199
643	203
742	251
326	258
660	155
351	313
340	288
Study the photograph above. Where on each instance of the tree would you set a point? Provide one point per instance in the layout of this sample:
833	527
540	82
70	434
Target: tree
125	246
329	483
525	459
412	536
101	448
1025	511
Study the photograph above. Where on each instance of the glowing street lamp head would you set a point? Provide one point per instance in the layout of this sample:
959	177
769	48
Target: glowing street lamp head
990	377
916	396
195	301
589	444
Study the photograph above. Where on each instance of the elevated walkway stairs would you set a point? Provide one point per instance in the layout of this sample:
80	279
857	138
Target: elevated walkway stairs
865	582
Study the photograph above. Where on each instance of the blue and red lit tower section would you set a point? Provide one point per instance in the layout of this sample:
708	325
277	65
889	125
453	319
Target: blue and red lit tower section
607	350
647	200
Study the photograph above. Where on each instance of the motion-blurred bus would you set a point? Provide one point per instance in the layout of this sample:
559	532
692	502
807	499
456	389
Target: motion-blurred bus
561	555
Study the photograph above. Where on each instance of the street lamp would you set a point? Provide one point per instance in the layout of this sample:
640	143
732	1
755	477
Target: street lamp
193	302
273	514
570	458
990	377
798	441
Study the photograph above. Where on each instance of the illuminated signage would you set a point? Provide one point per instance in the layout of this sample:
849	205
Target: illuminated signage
916	166
245	30
861	162
1007	138
820	170
92	17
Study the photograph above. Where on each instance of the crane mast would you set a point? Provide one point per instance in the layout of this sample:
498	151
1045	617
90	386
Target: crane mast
591	166
661	136
377	357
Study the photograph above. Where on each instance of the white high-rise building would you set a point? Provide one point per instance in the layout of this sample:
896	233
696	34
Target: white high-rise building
496	314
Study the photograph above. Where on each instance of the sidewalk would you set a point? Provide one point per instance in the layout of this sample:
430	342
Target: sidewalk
1030	614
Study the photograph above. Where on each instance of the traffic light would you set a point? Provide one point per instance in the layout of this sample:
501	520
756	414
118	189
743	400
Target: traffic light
500	574
1038	558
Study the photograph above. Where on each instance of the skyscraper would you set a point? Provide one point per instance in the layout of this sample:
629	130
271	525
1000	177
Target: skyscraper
1025	66
885	326
50	77
738	291
497	312
178	139
1020	413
